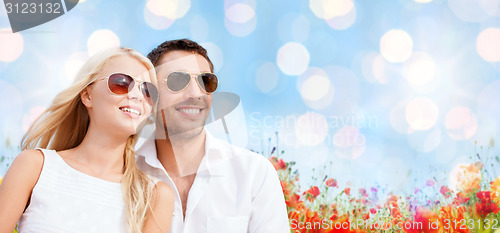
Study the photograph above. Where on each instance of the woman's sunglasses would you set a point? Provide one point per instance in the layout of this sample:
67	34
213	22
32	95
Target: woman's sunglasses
121	84
177	81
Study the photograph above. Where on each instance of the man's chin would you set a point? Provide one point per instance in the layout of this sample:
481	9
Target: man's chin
184	133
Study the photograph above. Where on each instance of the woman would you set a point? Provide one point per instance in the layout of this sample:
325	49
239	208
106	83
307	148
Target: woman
88	180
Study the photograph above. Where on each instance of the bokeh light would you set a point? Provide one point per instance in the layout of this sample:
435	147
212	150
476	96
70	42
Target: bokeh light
468	11
311	129
419	69
73	65
343	22
460	175
425	141
157	22
199	29
381	69
101	40
240	13
293	58
239	29
11	45
327	9
460	123
491	7
216	55
488	44
300	28
314	85
396	45
423	1
398	118
421	113
486	100
294	27
267	77
33	114
367	66
170	9
349	142
240	18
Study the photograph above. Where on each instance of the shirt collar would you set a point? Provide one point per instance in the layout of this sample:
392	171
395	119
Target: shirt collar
216	151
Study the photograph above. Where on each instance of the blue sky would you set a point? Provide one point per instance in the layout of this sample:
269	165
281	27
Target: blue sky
392	93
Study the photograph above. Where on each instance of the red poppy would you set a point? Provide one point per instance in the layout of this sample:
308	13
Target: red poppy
347	191
312	193
295	202
278	164
331	182
485	206
445	191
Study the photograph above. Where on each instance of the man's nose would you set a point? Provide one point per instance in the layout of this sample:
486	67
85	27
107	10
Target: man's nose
193	90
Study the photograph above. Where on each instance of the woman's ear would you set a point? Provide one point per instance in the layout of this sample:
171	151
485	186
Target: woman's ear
86	97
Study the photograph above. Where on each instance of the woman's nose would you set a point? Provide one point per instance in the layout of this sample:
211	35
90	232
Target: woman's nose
135	93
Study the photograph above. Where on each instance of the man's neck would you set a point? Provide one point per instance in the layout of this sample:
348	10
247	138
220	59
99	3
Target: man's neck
180	156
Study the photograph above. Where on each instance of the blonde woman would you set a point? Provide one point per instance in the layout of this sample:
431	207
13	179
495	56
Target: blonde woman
87	180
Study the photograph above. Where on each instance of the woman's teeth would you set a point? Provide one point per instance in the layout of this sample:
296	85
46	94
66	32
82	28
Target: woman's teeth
125	109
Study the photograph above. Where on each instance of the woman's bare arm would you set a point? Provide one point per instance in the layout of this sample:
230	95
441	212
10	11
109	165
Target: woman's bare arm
163	207
16	187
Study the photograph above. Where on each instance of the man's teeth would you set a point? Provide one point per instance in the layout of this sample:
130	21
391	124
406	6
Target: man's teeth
192	111
131	110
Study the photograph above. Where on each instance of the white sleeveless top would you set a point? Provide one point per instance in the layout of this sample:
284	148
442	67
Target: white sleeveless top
67	200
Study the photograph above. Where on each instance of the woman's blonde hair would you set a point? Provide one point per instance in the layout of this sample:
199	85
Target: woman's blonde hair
65	123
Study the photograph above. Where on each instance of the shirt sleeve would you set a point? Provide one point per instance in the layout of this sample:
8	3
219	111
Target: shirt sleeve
269	213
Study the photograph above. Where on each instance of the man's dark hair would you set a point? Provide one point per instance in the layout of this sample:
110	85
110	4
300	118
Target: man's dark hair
178	45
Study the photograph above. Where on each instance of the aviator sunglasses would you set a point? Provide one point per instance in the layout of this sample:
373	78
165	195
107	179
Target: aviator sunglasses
177	81
121	84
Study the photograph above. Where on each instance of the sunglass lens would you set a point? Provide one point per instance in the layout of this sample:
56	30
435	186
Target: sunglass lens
208	81
150	92
177	81
120	83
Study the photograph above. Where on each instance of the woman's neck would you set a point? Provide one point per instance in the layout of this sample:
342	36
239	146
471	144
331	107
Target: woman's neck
102	151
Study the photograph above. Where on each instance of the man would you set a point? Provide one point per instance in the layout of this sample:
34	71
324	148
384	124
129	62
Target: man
218	187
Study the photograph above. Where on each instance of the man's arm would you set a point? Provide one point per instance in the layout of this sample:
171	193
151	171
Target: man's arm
269	212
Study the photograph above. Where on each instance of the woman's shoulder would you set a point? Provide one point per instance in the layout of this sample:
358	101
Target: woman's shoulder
163	189
26	167
30	159
163	192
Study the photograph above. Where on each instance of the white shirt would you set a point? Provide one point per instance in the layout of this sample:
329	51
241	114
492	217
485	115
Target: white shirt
69	201
235	191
